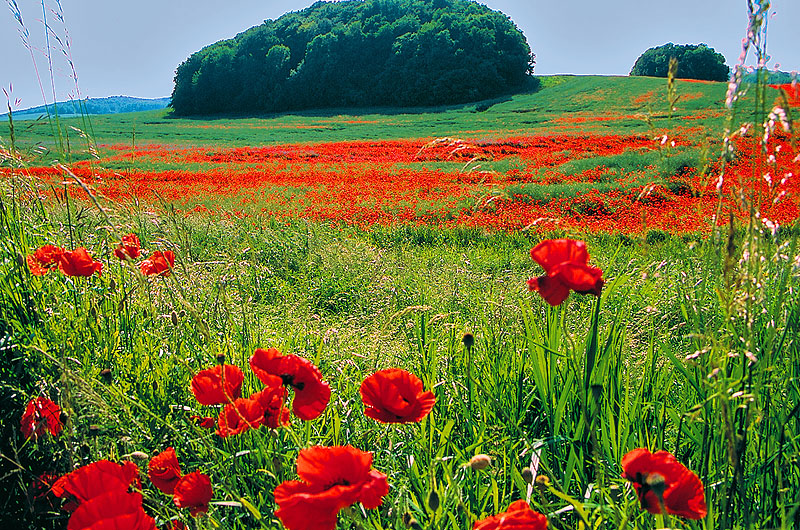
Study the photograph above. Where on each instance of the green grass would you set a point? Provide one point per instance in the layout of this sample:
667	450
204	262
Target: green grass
521	114
692	347
353	302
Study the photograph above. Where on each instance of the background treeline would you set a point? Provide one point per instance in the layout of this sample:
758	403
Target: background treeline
110	105
695	61
359	53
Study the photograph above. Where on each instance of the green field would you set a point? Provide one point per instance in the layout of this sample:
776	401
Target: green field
691	348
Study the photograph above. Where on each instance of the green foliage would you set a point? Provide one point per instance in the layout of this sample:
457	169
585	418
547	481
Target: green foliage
357	53
695	61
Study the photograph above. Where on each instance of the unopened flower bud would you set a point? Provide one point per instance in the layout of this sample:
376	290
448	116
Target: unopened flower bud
656	483
527	475
106	375
221	358
21	260
433	500
468	339
95	430
480	461
113	285
174	317
543	481
139	455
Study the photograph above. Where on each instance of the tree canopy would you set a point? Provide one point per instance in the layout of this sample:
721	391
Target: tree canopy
358	53
695	61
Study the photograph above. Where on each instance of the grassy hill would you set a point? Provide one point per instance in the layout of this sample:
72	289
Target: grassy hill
109	105
573	104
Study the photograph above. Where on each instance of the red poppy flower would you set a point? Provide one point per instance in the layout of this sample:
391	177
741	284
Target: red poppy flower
94	479
41	415
159	263
331	478
660	474
129	247
79	263
193	491
114	509
262	408
203	421
272	399
518	516
44	259
214	386
565	262
395	396
311	393
240	416
164	470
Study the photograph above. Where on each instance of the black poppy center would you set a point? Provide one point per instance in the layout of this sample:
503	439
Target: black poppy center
288	379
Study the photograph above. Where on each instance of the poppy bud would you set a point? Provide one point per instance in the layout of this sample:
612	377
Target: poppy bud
63	417
95	430
543	481
468	339
221	358
105	375
139	455
615	492
155	386
479	462
657	484
21	260
174	317
433	500
93	313
276	465
113	285
527	475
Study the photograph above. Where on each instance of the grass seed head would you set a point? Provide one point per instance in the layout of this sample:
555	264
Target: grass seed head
480	461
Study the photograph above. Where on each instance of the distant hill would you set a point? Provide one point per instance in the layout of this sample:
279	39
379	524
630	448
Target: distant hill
110	105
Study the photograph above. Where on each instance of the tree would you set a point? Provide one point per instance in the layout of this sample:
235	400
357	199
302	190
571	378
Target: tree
695	61
359	53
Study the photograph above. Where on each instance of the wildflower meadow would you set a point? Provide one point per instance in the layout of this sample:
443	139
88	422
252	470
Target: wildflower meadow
575	308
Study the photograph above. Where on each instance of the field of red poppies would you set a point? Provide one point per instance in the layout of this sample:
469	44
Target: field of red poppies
578	319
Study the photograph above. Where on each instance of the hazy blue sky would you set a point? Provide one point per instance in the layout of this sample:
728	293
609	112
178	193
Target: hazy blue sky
133	48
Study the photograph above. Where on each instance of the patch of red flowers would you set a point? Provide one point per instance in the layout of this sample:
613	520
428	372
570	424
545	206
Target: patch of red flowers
158	264
311	393
193	491
659	479
518	516
331	478
44	259
566	266
395	396
164	471
99	497
72	263
792	91
40	416
218	385
128	248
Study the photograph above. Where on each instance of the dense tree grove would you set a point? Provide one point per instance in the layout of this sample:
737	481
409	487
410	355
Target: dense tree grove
695	61
358	53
